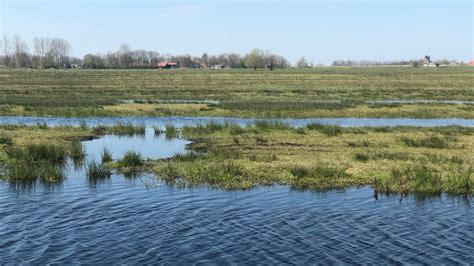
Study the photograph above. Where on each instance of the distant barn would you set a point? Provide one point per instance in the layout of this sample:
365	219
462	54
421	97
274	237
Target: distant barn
167	65
470	63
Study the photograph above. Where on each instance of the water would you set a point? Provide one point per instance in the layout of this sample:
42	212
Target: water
212	102
192	121
124	222
456	102
142	220
149	145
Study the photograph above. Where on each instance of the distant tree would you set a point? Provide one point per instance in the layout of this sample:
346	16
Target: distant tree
41	46
20	52
93	61
58	53
7	57
234	61
302	63
273	61
255	59
205	59
125	56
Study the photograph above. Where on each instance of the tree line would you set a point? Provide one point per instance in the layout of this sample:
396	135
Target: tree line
47	53
56	53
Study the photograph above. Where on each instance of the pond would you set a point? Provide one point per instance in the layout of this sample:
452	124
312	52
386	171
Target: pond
137	220
148	145
192	121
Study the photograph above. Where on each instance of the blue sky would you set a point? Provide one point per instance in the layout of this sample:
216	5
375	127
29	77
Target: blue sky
320	30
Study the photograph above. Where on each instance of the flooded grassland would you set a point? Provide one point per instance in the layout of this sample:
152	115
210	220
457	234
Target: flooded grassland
430	160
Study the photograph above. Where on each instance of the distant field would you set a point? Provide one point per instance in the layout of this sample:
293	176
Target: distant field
244	93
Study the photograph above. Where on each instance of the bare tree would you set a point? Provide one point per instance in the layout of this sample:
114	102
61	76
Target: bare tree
302	63
6	51
205	59
125	56
41	46
20	52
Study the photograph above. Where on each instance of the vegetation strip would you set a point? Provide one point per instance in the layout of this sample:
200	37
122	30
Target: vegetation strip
302	93
392	159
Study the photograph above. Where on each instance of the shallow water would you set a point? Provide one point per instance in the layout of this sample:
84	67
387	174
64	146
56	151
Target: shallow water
456	102
149	145
192	121
212	102
142	220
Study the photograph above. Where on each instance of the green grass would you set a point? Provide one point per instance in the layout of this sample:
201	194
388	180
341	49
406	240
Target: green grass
316	160
187	157
434	142
131	159
97	171
428	180
229	175
317	92
317	176
329	130
43	161
106	156
171	131
6	140
77	152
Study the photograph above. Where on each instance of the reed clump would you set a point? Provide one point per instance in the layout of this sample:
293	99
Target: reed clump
97	171
106	156
44	161
120	129
77	152
171	131
131	159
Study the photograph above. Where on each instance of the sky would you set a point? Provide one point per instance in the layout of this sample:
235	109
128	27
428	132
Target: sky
320	30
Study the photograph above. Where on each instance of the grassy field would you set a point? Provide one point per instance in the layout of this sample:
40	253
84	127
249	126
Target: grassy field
318	92
392	160
403	159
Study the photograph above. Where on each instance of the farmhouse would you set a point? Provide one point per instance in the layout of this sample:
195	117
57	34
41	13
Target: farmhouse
167	65
471	63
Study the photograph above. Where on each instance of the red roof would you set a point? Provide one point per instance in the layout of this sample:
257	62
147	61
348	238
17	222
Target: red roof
165	64
470	63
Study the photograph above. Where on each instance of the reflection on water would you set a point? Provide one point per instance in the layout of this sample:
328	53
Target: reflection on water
141	221
149	145
193	121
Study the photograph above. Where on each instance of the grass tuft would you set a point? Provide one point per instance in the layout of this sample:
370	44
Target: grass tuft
97	171
106	155
131	159
434	142
171	131
328	130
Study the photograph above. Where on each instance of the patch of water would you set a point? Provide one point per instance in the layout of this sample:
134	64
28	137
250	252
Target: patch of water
213	102
120	221
193	121
456	102
148	145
